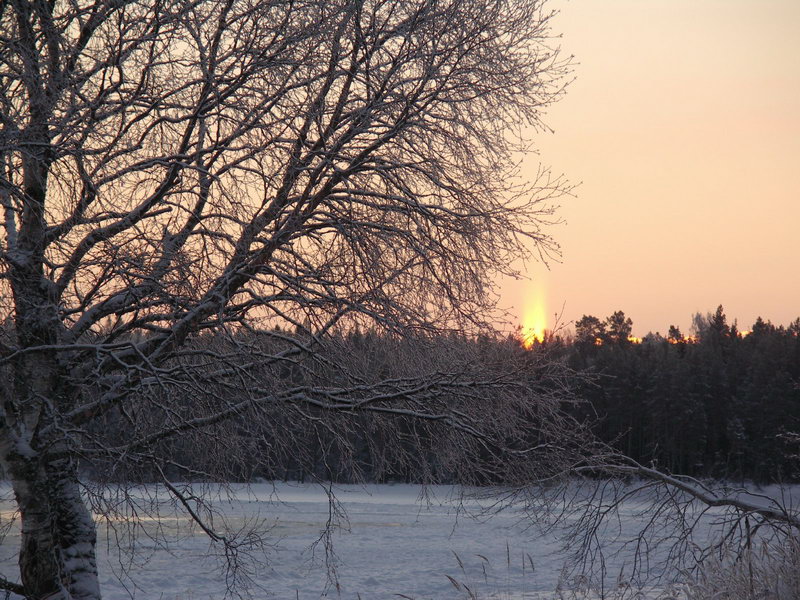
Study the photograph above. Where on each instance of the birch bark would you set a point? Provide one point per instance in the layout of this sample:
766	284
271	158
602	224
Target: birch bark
57	550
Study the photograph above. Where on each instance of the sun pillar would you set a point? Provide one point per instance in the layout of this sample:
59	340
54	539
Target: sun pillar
534	316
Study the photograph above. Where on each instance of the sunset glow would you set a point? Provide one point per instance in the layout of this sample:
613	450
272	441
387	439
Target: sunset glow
534	318
674	121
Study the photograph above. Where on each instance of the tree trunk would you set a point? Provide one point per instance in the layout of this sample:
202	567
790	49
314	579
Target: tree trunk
57	550
57	546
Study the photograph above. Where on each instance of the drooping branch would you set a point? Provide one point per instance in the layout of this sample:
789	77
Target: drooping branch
743	501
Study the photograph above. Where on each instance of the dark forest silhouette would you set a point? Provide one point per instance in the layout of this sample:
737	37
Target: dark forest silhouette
717	403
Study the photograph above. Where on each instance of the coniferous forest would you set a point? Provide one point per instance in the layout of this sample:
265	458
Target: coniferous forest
717	402
720	402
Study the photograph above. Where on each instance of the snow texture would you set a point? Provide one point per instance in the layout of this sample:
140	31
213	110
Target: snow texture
394	541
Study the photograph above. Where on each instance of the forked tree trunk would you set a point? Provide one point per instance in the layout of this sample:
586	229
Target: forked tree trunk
57	550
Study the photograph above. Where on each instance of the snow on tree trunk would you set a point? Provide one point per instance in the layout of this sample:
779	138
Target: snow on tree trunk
57	546
57	549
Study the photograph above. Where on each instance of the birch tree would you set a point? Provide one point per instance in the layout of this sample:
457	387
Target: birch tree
169	167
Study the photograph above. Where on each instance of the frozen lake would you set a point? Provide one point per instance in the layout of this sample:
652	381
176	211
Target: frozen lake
391	542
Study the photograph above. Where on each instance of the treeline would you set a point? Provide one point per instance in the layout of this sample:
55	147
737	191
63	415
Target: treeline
368	406
349	407
717	403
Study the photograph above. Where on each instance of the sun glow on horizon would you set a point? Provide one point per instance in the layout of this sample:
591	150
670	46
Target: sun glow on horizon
534	317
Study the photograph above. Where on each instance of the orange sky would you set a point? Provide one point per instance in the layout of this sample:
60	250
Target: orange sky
683	127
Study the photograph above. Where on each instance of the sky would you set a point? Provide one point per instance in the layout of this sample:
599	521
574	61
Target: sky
682	128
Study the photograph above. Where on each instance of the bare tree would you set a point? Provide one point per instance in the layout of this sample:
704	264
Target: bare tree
670	527
170	167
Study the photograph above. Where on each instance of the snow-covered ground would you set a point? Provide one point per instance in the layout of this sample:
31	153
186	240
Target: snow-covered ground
392	542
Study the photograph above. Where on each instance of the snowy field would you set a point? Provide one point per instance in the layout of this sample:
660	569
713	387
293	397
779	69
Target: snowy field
392	542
